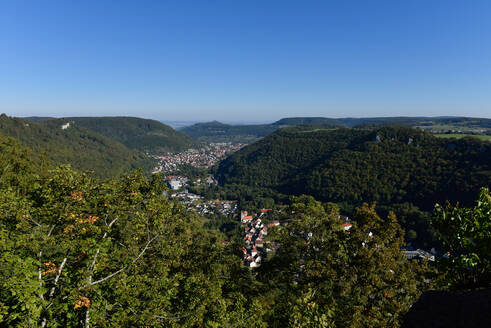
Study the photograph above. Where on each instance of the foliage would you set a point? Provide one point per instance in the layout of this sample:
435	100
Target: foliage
345	165
416	223
190	171
324	276
82	148
466	235
137	133
75	251
249	198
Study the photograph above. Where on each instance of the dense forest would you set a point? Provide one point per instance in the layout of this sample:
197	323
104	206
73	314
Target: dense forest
136	133
387	165
80	147
400	168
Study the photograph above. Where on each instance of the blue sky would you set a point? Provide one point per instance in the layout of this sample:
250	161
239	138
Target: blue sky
245	60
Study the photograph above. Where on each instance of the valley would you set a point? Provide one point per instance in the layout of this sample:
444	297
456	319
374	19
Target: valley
261	209
245	164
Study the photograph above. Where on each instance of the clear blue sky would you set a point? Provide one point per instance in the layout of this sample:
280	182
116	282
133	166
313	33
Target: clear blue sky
245	60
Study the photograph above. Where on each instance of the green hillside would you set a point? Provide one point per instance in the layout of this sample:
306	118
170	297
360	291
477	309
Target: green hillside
387	165
80	147
220	132
137	133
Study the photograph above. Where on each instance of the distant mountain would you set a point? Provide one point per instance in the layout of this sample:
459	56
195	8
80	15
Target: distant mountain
216	131
60	141
387	165
220	132
442	122
37	119
293	121
137	133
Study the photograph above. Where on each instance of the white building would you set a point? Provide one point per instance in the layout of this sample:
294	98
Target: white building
175	184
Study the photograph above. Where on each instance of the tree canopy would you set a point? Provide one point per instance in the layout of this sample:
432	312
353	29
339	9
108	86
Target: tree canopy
466	236
325	276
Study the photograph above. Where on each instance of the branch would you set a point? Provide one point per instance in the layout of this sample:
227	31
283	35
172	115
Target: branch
112	222
40	275
87	318
35	222
57	277
109	225
93	261
91	268
51	230
125	267
145	248
51	293
105	278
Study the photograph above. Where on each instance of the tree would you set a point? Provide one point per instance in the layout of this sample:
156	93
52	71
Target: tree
75	251
466	236
325	276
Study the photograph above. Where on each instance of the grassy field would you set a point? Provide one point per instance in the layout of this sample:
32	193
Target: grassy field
458	136
438	128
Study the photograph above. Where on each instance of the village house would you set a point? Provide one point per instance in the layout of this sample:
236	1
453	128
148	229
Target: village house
246	219
347	226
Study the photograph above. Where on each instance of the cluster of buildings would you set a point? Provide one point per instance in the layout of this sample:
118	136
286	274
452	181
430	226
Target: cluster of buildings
176	182
204	157
254	232
220	207
195	203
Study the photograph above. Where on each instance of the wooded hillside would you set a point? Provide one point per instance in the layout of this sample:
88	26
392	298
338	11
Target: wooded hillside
137	133
387	165
84	149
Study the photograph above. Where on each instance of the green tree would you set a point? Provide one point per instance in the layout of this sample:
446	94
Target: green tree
325	276
466	236
75	251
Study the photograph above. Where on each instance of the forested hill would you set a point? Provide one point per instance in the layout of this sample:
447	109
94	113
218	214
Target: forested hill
289	121
84	149
137	133
220	132
387	165
216	131
450	122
